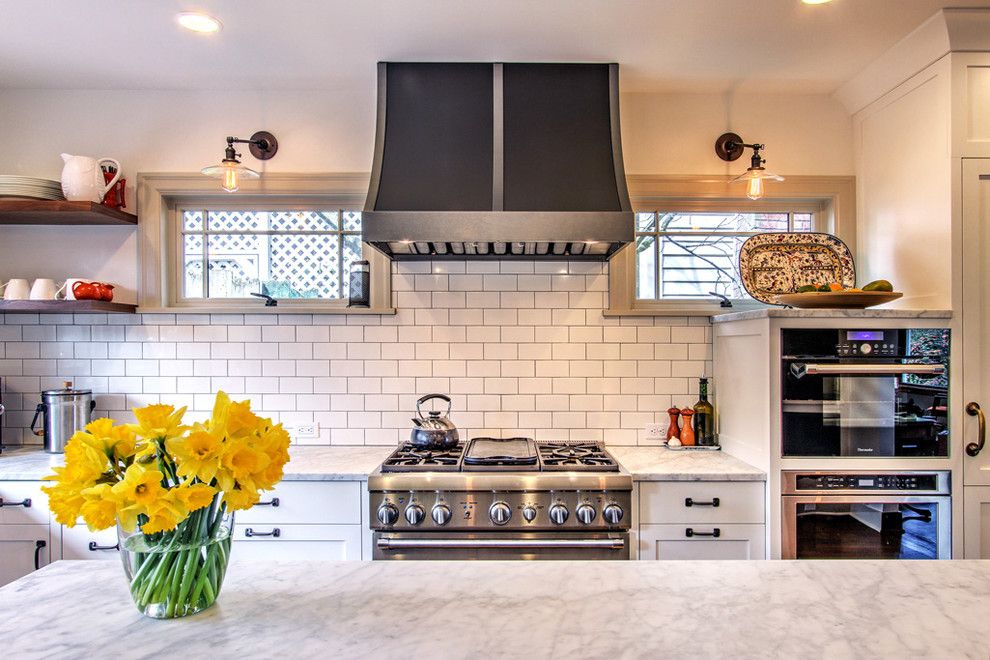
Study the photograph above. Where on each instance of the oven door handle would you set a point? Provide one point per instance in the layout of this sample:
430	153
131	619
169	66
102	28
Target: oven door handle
802	369
396	544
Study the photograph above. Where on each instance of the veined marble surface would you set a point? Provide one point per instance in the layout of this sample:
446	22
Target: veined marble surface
793	313
662	464
306	463
561	609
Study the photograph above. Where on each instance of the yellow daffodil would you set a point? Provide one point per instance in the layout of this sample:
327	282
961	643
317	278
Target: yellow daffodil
161	519
140	486
196	455
195	496
241	422
159	421
240	499
240	462
100	508
65	500
84	463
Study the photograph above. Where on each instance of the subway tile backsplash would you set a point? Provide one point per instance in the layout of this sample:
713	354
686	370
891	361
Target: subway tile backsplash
521	347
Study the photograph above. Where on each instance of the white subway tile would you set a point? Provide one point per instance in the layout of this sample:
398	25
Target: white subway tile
518	368
466	282
346	402
482	299
226	351
482	267
278	333
553	368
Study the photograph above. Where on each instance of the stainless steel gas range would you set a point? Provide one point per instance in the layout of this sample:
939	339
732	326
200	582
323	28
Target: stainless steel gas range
501	498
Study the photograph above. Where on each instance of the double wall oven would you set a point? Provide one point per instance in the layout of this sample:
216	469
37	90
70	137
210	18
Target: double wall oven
865	393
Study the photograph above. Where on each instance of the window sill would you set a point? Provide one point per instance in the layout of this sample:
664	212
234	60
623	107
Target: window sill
261	309
680	309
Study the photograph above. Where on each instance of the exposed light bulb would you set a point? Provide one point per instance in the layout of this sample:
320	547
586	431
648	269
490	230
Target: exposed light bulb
816	2
230	180
755	189
195	21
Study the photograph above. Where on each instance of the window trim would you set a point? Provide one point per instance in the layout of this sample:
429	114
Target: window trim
831	198
161	195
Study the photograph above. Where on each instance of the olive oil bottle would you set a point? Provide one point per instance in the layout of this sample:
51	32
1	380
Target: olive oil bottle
704	417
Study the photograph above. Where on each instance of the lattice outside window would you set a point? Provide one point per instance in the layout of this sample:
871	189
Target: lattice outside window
286	254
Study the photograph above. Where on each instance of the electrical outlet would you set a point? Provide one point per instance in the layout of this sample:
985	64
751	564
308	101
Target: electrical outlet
307	431
653	431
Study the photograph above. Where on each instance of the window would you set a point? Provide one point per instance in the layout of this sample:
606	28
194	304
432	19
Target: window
691	254
287	254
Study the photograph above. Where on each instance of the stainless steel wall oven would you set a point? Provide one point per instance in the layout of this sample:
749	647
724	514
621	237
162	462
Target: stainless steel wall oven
865	393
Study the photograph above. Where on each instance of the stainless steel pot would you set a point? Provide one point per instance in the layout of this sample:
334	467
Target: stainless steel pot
435	430
64	412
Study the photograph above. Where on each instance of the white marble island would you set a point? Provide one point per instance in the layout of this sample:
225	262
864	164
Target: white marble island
558	609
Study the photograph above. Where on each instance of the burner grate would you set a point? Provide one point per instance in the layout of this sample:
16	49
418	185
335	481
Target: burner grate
409	458
578	456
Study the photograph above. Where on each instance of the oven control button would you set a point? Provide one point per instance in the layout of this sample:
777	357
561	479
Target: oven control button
414	514
612	514
529	513
500	512
585	513
558	514
387	513
865	349
441	514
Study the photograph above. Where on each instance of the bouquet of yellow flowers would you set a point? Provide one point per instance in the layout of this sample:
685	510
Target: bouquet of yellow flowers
171	489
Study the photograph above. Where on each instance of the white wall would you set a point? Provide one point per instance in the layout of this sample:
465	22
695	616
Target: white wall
333	131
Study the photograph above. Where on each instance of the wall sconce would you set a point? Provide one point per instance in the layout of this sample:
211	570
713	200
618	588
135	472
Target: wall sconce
730	147
262	145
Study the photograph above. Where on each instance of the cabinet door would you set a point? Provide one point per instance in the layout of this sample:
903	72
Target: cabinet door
307	503
976	524
23	548
737	502
80	543
975	322
689	541
23	503
311	542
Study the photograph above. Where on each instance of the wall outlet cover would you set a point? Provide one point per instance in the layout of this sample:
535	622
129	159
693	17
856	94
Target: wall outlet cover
653	431
306	431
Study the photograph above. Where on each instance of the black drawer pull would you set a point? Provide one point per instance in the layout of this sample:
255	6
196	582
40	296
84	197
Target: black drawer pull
272	502
26	503
715	533
93	547
38	547
250	532
690	502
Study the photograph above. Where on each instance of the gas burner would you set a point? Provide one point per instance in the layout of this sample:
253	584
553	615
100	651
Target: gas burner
409	458
584	456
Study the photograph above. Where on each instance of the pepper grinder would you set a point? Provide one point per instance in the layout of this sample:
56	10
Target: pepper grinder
687	433
672	429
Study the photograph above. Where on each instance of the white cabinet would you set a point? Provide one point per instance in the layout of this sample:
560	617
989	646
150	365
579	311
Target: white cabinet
80	543
976	536
25	537
318	520
702	520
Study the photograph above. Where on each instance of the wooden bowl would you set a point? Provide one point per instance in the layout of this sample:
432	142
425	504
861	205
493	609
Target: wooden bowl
837	299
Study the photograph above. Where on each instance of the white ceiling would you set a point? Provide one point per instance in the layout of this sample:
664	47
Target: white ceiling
662	45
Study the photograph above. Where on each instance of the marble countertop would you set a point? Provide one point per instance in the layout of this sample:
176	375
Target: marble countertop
793	313
662	464
307	463
559	609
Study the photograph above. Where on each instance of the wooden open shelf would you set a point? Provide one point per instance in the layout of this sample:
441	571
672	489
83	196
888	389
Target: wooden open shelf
65	307
44	212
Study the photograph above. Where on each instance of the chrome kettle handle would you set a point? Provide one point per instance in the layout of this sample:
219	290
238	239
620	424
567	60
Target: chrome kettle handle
427	397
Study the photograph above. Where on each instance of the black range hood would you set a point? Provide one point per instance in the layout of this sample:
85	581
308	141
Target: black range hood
498	160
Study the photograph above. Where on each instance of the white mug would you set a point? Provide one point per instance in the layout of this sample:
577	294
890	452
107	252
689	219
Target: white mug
44	289
71	282
16	289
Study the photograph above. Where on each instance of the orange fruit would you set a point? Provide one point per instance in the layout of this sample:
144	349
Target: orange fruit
835	286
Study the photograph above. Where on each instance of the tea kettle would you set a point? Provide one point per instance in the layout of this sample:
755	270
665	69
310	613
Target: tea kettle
435	430
83	180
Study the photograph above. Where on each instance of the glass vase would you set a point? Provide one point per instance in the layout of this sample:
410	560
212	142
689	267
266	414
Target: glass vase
178	572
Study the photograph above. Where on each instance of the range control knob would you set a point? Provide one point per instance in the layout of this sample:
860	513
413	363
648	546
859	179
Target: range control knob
612	513
500	512
585	513
387	514
441	514
529	513
558	514
415	514
865	349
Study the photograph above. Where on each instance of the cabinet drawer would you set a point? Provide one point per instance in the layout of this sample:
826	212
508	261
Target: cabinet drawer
308	503
735	502
14	513
673	542
312	542
23	548
80	543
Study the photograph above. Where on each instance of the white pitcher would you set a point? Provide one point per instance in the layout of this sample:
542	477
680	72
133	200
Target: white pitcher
82	178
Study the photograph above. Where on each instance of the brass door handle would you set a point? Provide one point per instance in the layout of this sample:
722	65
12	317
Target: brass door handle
973	409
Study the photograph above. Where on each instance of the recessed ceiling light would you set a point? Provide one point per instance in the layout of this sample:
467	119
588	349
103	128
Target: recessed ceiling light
199	22
816	2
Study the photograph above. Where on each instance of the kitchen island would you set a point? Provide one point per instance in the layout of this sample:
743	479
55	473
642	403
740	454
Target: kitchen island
562	609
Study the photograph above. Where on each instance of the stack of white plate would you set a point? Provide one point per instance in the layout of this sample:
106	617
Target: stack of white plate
29	187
